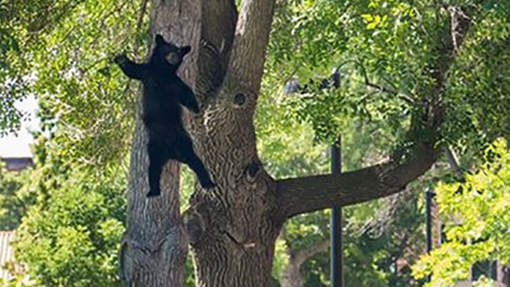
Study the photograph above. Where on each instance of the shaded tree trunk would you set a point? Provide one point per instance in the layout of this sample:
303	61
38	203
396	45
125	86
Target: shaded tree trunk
155	244
291	275
231	229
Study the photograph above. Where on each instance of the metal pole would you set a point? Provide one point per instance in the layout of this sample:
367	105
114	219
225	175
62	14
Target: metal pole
428	221
336	268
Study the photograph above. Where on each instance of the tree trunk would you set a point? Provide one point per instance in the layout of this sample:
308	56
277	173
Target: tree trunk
233	231
154	246
291	275
232	228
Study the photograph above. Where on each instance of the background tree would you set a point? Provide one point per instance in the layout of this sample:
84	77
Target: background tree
474	214
59	51
71	229
13	199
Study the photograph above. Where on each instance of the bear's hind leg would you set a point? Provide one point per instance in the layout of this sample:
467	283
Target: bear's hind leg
198	167
187	155
157	159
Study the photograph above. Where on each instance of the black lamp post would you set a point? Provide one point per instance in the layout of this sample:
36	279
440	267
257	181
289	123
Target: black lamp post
429	194
336	255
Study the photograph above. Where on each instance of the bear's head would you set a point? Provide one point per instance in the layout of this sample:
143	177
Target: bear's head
166	53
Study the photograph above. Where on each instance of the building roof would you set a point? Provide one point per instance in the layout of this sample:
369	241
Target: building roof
17	163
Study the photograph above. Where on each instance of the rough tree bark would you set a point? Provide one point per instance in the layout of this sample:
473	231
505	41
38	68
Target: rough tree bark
231	229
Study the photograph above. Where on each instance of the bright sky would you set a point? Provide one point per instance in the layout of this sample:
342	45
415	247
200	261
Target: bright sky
18	146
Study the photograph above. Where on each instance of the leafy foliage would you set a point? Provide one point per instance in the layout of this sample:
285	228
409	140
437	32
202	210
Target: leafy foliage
71	234
15	198
61	51
479	82
387	52
476	217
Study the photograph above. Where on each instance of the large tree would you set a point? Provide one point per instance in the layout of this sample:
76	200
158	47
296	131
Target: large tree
232	229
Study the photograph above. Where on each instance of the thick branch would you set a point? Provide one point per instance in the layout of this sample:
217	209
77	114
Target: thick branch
307	194
218	22
302	255
251	38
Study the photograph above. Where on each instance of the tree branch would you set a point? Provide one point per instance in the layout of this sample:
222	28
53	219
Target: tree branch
459	24
218	24
139	22
249	49
311	193
302	255
452	161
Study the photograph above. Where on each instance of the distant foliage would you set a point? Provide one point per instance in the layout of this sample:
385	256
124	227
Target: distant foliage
476	217
15	196
71	234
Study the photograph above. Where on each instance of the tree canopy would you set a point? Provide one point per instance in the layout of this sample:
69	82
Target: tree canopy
395	56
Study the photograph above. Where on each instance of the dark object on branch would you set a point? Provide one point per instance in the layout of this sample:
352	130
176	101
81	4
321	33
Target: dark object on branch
163	95
332	82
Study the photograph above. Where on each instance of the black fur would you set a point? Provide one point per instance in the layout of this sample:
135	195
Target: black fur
163	95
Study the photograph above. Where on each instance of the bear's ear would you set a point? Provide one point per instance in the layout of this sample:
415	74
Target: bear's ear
159	39
184	50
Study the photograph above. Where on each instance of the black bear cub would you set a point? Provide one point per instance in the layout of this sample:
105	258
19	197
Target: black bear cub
163	95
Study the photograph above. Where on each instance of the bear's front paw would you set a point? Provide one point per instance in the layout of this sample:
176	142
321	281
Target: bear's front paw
120	59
